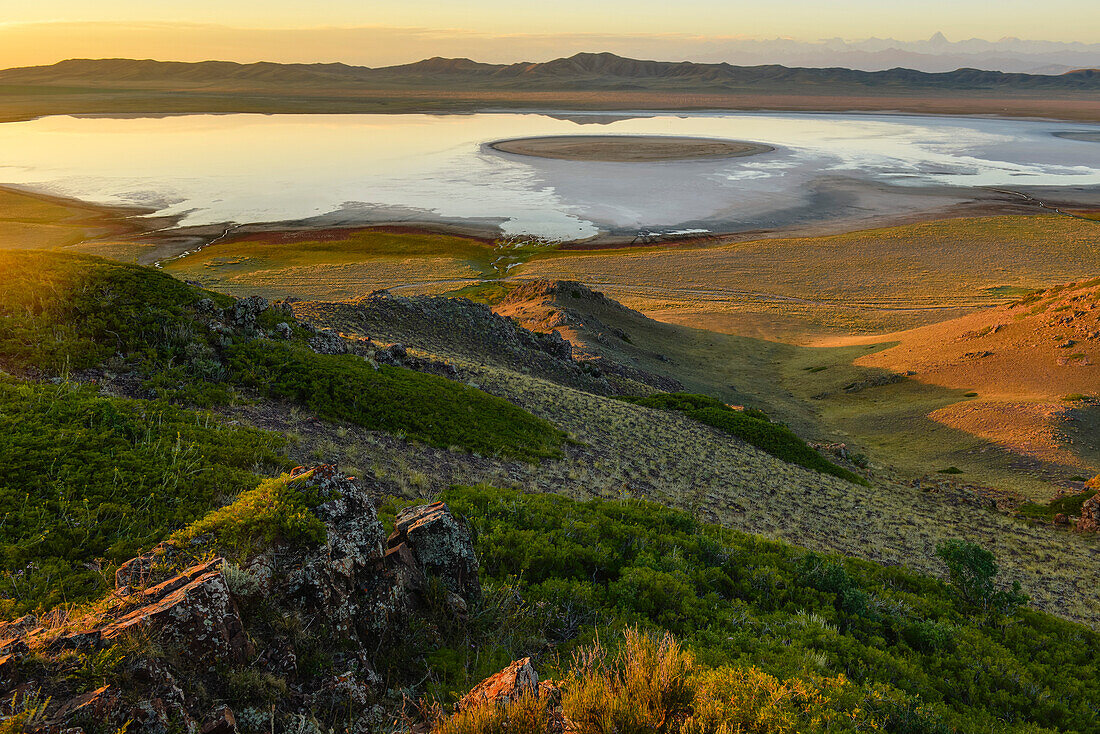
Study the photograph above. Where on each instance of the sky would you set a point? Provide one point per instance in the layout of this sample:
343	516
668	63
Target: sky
375	32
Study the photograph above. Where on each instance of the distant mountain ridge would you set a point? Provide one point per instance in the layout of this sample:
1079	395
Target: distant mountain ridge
583	71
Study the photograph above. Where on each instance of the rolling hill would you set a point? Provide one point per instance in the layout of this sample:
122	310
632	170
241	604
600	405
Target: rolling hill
579	72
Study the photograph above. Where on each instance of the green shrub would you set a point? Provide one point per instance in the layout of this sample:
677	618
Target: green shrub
87	482
425	407
751	426
1069	505
972	570
916	656
279	509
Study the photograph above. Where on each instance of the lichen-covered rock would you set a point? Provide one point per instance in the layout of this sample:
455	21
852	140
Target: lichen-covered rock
243	313
194	610
283	330
517	681
343	578
222	722
137	572
439	545
327	342
212	621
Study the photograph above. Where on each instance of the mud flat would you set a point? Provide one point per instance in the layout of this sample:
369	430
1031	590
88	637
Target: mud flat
1087	136
628	148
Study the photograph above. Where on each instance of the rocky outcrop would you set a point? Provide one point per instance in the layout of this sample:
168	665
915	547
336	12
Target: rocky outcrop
428	541
1089	521
205	621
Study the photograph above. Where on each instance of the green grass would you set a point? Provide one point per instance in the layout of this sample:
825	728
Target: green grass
913	649
349	247
424	407
751	426
87	480
61	312
278	510
1069	506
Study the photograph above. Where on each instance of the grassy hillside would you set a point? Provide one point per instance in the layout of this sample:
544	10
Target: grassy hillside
87	482
752	426
64	313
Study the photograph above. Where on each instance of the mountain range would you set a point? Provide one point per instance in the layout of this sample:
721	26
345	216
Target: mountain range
583	71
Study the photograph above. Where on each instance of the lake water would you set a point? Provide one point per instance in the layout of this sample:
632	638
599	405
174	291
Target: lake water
346	168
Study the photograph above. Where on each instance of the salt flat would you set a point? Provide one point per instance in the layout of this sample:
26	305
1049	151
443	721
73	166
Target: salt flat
207	169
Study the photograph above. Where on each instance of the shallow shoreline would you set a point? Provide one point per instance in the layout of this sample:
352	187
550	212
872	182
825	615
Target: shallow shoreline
857	205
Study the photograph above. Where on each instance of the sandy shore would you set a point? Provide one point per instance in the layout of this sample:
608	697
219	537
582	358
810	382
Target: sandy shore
628	148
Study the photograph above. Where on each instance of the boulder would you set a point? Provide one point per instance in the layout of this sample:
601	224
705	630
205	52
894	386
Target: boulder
1089	521
137	572
436	543
243	313
96	705
222	722
283	330
517	681
342	579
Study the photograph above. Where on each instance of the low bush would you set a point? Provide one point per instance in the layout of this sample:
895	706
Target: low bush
910	652
280	509
751	426
437	411
1070	505
972	570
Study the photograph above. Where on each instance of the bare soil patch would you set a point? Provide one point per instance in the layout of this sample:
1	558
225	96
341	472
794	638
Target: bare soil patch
628	148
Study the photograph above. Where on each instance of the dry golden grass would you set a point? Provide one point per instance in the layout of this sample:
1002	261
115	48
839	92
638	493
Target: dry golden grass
870	281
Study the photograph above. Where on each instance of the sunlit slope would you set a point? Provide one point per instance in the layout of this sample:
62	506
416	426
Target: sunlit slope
336	264
1030	373
871	281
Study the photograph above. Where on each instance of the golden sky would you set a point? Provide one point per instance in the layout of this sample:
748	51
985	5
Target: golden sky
393	31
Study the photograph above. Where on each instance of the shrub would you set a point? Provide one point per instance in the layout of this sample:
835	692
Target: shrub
1069	505
432	409
278	509
524	715
751	426
915	655
972	570
645	689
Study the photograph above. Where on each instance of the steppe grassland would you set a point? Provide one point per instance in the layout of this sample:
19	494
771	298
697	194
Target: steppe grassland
871	281
624	450
338	265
